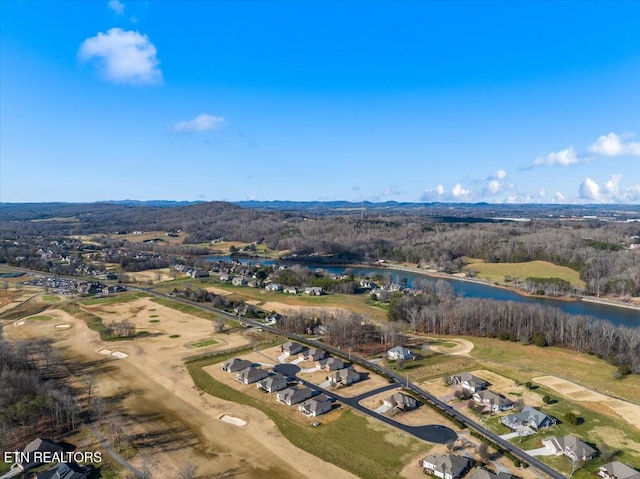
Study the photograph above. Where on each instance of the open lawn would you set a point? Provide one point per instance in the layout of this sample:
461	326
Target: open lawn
529	361
40	317
49	297
496	272
345	438
113	298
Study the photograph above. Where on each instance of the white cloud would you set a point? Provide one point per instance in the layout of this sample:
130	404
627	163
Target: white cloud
499	175
458	191
117	6
564	157
613	185
496	183
615	145
632	195
123	56
589	190
199	124
392	191
433	194
557	196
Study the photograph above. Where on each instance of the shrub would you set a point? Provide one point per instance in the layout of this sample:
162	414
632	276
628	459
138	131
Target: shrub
571	418
546	399
540	340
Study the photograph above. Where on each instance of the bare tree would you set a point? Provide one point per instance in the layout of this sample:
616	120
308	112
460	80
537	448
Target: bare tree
188	471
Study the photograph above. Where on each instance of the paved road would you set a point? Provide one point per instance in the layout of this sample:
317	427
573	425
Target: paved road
426	396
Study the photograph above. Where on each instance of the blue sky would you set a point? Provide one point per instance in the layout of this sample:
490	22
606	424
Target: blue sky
297	100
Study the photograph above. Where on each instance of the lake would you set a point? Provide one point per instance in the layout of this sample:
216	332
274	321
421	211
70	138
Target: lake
617	315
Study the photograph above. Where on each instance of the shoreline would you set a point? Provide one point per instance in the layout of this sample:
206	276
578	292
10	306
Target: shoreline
588	299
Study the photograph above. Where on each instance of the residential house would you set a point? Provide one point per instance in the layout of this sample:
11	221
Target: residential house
274	383
447	466
253	283
234	365
400	353
469	382
570	446
345	376
34	451
313	291
273	318
313	354
400	401
291	348
330	364
198	273
225	278
493	401
315	406
618	470
528	417
251	375
482	473
239	281
291	290
273	287
65	470
292	395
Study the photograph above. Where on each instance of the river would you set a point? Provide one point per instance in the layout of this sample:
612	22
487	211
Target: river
617	315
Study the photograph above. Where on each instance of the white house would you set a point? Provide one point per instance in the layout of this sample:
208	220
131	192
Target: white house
400	353
447	466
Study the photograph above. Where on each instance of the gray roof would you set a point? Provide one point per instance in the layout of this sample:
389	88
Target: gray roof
448	463
42	445
482	473
494	398
64	470
620	470
400	350
318	404
272	382
290	346
348	375
235	364
293	395
401	400
528	415
572	444
471	379
251	374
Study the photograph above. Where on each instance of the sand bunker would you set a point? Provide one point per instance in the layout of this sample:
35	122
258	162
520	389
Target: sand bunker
63	326
236	421
115	354
20	323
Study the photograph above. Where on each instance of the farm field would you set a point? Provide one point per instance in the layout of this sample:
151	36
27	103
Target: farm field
496	272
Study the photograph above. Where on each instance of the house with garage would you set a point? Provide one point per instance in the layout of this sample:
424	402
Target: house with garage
313	291
482	473
469	382
313	354
65	470
250	375
400	353
274	383
290	290
235	364
344	376
570	446
447	466
492	401
34	452
292	395
239	281
330	364
315	406
291	348
528	418
618	470
400	401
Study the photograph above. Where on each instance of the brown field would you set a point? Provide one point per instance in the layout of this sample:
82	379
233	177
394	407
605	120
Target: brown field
628	411
179	423
535	269
148	235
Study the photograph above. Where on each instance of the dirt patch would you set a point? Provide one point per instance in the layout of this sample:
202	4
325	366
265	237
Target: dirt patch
462	348
628	411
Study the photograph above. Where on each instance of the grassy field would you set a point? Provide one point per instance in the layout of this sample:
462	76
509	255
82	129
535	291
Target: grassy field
40	317
528	361
496	272
360	303
23	310
114	298
352	442
185	308
49	297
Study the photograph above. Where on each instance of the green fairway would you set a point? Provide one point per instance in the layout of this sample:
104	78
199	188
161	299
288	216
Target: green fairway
496	272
